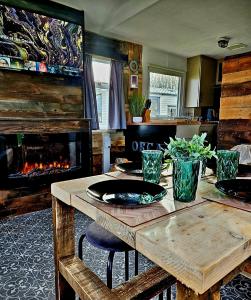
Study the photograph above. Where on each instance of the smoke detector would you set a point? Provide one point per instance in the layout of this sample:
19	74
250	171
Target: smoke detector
223	42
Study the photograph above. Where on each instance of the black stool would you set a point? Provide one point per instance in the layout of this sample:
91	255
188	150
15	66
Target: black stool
100	238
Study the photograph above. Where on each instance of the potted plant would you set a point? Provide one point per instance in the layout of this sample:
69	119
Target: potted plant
187	156
136	107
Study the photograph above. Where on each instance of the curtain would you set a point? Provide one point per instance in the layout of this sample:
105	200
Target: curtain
91	110
117	119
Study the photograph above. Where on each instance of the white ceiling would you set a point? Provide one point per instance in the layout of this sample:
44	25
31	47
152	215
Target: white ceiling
184	27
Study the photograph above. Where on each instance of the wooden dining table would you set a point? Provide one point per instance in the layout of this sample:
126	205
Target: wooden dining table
203	244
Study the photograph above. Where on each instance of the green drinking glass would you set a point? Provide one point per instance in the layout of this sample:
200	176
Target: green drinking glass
152	165
227	164
185	179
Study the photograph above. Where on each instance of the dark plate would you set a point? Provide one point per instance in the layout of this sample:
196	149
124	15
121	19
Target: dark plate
133	193
134	168
239	188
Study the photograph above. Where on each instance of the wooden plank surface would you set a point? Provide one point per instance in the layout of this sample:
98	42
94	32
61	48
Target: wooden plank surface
121	221
233	132
64	190
236	64
237	77
28	95
64	245
233	90
86	283
176	241
179	246
43	125
229	113
237	101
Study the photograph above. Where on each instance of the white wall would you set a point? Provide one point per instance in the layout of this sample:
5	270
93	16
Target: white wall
151	56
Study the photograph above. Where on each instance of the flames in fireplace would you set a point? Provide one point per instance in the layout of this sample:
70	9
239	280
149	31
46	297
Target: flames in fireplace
35	169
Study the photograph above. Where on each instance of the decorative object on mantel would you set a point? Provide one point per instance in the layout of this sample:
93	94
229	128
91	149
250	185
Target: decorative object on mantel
136	107
134	81
187	157
146	115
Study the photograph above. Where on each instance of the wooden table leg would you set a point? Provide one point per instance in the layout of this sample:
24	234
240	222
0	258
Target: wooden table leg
184	293
64	245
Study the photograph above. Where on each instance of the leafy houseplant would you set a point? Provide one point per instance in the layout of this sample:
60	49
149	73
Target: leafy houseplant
193	149
186	156
136	106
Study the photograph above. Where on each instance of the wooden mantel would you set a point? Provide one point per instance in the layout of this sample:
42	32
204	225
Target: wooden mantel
42	125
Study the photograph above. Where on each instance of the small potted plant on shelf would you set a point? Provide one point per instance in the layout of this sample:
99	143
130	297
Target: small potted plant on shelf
187	157
136	107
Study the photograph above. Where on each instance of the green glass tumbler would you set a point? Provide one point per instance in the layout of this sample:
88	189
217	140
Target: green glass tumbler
151	165
185	179
227	164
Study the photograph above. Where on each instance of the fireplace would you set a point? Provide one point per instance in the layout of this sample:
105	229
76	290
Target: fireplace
30	160
34	153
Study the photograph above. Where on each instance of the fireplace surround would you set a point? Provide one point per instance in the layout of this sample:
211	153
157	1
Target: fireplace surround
36	152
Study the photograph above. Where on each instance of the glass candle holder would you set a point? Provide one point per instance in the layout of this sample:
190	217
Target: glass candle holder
151	165
227	164
185	179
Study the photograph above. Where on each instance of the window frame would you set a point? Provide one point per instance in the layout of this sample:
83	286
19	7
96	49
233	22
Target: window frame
101	59
181	89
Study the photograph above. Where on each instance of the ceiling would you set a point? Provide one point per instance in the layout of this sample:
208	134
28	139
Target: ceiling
183	27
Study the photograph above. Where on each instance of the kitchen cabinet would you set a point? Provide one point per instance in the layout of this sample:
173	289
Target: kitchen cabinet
200	82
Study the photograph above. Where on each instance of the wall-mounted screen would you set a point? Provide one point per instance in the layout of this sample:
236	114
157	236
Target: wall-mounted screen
30	41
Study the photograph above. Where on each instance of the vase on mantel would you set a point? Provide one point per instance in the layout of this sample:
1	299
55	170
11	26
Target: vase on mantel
185	179
137	119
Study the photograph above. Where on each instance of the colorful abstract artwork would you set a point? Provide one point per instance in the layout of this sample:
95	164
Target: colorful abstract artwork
30	37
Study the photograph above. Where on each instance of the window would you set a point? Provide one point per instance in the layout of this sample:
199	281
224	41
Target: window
164	92
101	73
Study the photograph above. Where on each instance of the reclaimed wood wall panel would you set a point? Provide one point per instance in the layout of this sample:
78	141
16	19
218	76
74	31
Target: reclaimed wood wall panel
233	132
43	125
28	95
235	104
236	77
234	90
237	64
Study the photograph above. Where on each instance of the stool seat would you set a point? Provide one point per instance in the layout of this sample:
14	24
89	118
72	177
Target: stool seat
105	240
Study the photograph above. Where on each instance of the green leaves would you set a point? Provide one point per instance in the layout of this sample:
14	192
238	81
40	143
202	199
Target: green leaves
136	105
195	148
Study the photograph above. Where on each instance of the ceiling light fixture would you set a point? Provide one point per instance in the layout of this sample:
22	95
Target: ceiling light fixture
237	46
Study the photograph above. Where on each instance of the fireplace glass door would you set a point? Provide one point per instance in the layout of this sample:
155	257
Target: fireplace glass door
36	159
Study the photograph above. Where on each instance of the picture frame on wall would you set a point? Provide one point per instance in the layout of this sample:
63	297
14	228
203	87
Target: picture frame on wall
134	81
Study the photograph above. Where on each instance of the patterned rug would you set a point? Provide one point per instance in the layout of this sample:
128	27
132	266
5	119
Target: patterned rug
27	267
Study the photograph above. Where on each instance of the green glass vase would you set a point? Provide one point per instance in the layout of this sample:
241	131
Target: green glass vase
185	179
227	164
151	165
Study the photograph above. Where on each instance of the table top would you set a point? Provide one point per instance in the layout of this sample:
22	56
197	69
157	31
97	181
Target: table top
198	242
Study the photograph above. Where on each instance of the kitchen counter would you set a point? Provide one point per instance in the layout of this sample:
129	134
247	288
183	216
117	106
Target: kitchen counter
173	122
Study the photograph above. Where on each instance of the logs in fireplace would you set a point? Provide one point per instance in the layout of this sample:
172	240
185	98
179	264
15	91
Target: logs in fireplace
35	153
